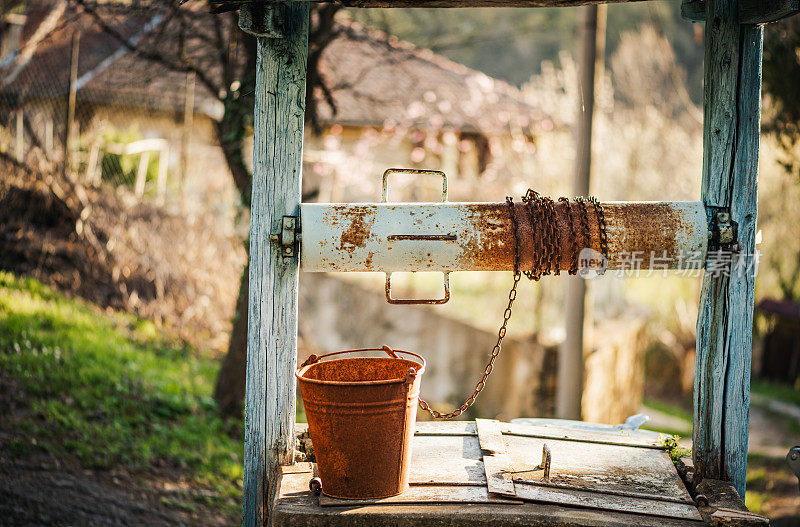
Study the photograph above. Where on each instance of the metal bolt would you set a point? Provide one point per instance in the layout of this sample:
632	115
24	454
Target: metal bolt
723	217
794	455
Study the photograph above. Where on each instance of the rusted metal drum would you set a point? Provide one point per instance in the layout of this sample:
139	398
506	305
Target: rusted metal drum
361	416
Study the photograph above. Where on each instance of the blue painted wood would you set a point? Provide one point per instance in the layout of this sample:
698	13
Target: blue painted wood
731	107
272	315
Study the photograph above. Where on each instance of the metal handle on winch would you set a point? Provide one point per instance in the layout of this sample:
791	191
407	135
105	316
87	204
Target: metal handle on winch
417	237
407	301
415	172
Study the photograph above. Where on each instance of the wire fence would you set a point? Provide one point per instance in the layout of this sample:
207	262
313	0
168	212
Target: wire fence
76	91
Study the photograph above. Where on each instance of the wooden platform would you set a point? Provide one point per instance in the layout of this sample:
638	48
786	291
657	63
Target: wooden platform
491	473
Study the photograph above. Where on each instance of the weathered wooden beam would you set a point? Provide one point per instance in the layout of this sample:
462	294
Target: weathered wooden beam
750	11
227	5
272	309
731	125
480	237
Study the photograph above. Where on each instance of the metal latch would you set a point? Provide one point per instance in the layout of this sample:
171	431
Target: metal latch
722	230
288	237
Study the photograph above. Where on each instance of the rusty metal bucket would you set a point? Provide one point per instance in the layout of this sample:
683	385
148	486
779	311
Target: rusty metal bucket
361	416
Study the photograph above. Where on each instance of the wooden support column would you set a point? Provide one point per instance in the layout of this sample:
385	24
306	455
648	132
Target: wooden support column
731	106
272	310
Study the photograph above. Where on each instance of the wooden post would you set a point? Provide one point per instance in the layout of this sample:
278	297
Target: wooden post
731	122
570	357
272	310
69	126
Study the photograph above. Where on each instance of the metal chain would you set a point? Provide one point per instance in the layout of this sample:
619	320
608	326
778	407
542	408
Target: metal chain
545	260
552	238
530	198
501	333
584	222
573	267
601	225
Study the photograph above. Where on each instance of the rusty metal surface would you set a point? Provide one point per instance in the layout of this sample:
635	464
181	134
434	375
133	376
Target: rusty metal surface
356	237
361	417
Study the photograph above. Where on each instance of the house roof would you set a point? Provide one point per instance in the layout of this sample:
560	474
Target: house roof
375	79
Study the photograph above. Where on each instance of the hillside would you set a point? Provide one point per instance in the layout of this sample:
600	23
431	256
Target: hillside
105	421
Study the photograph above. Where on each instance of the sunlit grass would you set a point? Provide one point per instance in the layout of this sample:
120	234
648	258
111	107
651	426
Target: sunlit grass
108	390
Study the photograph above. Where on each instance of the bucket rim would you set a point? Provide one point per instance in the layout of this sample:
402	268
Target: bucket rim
306	366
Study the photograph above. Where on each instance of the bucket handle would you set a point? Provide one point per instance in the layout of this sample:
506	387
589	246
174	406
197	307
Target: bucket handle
410	376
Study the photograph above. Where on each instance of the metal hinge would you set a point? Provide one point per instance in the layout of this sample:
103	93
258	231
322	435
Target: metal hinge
722	230
289	236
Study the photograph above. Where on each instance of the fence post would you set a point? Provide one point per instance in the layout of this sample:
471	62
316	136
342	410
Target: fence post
731	125
272	310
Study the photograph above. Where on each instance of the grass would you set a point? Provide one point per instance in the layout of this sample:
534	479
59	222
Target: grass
669	409
108	390
781	392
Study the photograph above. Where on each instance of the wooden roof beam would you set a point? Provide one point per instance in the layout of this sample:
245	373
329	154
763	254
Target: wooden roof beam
750	11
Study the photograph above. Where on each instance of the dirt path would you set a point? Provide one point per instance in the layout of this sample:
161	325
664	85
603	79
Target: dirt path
38	492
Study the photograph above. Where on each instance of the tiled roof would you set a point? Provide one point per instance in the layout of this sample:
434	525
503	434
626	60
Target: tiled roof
375	79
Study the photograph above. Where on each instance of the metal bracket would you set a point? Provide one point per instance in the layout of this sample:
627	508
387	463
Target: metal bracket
723	232
289	236
407	301
262	20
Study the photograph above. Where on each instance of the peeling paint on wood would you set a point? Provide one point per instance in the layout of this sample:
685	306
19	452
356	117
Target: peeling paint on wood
272	309
730	162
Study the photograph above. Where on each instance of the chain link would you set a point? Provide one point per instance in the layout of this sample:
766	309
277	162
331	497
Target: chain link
546	259
601	226
573	266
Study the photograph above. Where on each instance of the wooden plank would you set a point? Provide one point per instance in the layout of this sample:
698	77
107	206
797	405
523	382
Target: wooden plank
490	436
750	11
297	507
596	500
731	107
457	428
427	494
446	459
547	432
617	469
232	4
272	309
498	474
496	463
